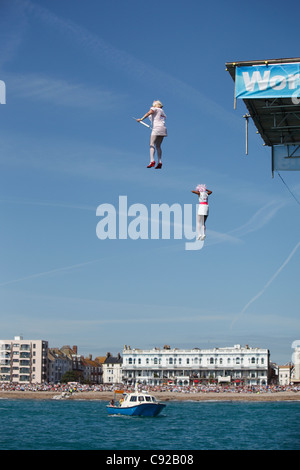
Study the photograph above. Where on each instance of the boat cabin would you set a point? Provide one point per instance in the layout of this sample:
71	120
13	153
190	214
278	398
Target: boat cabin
139	397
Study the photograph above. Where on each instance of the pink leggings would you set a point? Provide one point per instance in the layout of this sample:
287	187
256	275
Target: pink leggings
155	142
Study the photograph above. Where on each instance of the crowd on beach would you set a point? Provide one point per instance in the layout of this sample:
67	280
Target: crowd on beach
199	388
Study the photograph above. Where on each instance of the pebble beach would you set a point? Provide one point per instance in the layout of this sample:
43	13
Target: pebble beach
161	395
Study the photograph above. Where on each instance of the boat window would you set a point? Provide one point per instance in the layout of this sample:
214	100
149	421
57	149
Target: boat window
153	398
133	398
141	398
147	398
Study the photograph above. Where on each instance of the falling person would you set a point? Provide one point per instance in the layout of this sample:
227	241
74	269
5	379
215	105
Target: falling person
159	131
203	209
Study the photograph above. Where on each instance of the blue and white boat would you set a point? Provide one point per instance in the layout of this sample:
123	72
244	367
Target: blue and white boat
135	404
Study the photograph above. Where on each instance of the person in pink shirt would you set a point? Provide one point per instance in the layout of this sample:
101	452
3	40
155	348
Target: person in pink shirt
203	209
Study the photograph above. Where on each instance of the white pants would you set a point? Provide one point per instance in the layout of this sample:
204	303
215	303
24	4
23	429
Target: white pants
201	219
155	142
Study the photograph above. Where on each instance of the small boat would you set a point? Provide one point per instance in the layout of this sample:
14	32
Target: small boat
135	404
62	396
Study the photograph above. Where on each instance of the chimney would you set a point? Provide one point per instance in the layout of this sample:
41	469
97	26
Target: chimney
75	349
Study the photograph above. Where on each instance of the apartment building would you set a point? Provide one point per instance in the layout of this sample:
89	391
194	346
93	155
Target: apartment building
284	374
92	370
236	364
67	359
58	365
112	369
23	361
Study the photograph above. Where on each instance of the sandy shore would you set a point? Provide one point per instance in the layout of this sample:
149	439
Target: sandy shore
161	396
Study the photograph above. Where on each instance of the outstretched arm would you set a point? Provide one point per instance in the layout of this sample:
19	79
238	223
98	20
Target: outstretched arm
146	115
197	192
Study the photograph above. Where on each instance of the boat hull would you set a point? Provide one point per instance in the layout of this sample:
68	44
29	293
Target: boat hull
144	409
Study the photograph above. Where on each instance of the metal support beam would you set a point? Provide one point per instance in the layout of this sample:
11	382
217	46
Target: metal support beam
246	116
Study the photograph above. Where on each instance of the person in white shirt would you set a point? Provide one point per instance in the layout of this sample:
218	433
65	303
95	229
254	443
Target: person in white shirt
203	209
159	131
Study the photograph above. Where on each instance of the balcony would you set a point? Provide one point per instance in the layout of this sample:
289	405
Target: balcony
4	362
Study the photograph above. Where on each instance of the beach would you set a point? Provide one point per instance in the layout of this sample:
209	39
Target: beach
161	396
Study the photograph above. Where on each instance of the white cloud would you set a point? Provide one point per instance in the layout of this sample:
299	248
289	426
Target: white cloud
13	25
261	218
130	65
49	272
262	291
60	92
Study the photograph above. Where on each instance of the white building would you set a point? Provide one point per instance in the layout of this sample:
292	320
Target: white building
284	375
112	369
239	365
23	361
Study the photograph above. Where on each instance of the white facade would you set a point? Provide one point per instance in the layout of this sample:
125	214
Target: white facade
112	369
284	375
240	365
23	361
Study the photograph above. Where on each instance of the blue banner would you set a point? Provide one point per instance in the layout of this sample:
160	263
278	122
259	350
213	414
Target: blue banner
268	81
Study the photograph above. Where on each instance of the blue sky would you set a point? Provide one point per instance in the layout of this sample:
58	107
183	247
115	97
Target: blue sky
75	74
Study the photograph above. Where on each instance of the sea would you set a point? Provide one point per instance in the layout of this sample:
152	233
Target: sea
182	426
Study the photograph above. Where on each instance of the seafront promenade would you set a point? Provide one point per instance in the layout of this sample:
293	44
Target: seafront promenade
167	393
